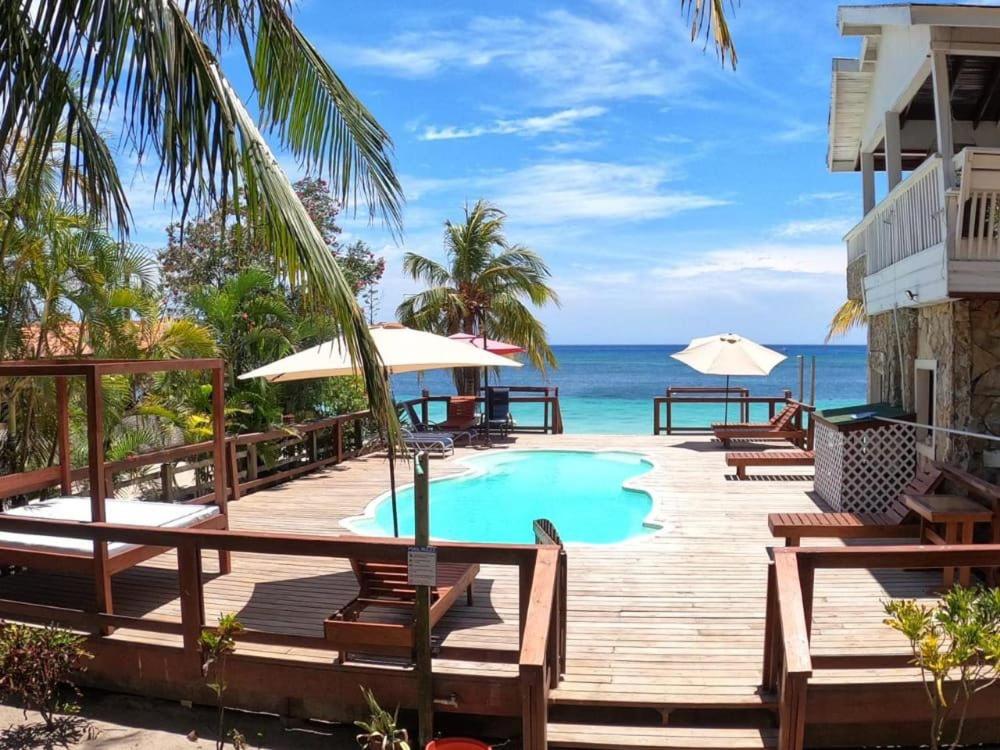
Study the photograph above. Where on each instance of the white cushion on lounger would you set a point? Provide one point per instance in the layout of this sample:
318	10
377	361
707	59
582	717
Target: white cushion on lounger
123	512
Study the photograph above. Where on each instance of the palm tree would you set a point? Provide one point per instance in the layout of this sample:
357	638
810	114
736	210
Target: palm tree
65	65
485	288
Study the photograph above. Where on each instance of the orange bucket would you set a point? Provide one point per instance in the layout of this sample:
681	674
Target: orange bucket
456	743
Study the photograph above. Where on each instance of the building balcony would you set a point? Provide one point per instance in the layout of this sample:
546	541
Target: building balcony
924	244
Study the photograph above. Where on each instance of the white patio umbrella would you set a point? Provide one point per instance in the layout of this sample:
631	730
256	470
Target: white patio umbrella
728	354
401	349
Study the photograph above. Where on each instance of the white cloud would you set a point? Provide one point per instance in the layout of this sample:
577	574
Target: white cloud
560	121
618	51
772	263
838	227
797	131
822	197
586	191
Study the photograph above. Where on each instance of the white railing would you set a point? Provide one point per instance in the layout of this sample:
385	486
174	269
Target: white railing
906	221
977	231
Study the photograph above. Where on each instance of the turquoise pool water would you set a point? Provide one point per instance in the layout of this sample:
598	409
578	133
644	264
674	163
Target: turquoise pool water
580	492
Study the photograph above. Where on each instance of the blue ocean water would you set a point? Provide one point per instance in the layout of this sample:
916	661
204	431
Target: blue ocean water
609	389
580	492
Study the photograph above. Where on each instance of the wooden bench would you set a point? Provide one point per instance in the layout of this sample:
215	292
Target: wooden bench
896	521
742	459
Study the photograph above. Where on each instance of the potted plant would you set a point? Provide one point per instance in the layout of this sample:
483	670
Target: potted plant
381	732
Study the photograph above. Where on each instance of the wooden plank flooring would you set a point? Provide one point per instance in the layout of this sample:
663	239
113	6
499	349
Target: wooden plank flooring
675	619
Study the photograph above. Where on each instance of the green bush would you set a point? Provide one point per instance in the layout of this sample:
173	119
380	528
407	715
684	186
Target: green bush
37	665
956	645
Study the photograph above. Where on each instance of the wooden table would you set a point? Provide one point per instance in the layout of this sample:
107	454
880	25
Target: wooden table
957	514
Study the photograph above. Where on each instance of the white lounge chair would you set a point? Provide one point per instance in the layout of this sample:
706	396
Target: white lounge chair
441	442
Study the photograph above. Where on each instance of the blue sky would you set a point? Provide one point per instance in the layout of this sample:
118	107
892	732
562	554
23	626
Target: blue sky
671	197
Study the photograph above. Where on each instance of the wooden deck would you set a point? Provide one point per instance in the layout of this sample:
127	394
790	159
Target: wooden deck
672	621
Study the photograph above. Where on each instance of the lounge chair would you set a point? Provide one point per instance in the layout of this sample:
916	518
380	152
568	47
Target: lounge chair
742	459
498	415
383	585
462	416
895	522
783	428
769	424
441	442
456	430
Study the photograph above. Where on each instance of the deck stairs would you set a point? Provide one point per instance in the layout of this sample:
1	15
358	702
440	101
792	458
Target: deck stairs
748	723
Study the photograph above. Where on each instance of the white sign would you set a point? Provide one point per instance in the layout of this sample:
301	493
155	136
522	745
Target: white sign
421	566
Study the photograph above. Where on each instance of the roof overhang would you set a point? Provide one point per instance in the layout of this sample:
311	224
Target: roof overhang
848	97
867	20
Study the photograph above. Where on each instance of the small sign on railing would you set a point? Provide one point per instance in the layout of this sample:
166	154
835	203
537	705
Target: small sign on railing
421	566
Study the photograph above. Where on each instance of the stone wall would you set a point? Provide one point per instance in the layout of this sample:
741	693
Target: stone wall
856	279
943	335
892	346
984	377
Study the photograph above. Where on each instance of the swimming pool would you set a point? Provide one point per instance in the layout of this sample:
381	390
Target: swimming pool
581	492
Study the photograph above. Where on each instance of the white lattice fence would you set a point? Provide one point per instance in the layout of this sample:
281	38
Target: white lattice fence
863	470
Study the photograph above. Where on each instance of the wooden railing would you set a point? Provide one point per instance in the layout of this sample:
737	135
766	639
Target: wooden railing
663	406
909	219
977	231
548	397
293	450
540	603
788	659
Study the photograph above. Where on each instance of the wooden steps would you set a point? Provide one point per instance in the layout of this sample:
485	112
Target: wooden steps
612	737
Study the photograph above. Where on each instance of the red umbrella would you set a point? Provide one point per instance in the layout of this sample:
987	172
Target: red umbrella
491	345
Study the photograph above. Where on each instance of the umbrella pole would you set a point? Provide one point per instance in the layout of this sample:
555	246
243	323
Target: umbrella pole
726	418
392	488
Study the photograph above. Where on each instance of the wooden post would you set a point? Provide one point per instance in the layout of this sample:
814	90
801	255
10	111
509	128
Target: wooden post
219	452
772	635
534	708
893	150
251	461
233	468
942	115
867	181
422	629
338	440
424	411
192	598
96	477
526	574
167	482
313	446
62	436
656	417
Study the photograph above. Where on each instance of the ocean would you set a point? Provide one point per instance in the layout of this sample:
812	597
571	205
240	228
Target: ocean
609	389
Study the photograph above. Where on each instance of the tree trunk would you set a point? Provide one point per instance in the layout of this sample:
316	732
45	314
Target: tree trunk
466	380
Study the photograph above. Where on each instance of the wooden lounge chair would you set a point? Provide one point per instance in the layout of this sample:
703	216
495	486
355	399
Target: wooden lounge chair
742	459
895	522
769	424
462	416
383	585
783	428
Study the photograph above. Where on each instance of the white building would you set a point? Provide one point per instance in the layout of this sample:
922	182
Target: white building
921	104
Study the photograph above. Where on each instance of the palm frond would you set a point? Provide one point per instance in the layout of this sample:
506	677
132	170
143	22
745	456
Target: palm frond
849	315
708	17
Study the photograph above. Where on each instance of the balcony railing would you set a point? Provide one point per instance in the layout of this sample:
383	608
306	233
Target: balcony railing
907	221
977	231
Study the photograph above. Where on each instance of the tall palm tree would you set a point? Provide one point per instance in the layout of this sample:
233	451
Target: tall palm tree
66	64
486	287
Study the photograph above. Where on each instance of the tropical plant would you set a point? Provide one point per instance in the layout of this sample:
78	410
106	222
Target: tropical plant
381	731
485	287
709	17
216	647
210	250
958	640
37	665
65	65
849	316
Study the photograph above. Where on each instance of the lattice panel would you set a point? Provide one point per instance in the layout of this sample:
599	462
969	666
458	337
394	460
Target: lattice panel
863	471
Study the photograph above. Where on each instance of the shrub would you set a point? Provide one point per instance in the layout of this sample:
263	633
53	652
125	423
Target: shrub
216	646
37	665
380	732
956	639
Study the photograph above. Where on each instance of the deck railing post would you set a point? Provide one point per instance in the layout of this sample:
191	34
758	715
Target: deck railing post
424	410
772	635
338	441
251	461
192	602
534	708
167	482
526	573
792	712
